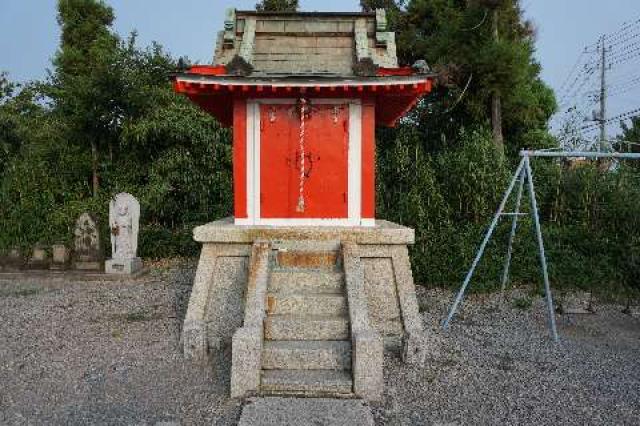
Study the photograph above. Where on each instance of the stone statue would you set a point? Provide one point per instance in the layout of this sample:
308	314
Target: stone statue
124	219
87	254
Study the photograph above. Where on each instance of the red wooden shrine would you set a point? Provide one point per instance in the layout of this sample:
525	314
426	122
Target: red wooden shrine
304	93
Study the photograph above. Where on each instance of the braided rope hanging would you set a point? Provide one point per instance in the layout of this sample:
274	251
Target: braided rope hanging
303	112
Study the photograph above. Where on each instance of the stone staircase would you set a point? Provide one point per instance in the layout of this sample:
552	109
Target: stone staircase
307	343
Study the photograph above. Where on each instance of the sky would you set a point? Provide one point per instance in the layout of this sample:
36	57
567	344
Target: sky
29	33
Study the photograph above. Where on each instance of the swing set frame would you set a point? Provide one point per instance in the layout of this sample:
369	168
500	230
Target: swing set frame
522	175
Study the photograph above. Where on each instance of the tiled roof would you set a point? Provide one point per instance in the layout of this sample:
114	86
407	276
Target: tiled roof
306	44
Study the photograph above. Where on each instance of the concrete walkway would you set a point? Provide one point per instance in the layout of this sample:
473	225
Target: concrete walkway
306	411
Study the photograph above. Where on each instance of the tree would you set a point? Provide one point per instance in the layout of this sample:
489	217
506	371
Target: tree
631	132
629	140
278	5
388	5
458	39
9	138
84	85
6	87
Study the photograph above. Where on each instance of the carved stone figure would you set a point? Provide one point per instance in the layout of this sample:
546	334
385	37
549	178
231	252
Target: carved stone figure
87	250
124	219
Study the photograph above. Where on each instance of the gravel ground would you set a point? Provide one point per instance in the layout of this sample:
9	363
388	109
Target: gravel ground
74	352
104	353
501	367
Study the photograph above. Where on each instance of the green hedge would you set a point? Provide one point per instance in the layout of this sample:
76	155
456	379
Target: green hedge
590	216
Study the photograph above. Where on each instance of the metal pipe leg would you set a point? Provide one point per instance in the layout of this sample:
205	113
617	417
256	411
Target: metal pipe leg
514	225
543	258
492	227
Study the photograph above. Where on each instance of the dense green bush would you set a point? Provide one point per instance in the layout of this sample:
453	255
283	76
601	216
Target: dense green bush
108	121
589	214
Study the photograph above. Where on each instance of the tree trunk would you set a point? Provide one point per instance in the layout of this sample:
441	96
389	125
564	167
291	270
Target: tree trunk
496	105
94	167
496	120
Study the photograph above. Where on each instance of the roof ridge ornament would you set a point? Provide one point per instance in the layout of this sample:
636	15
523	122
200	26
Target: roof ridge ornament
230	28
381	20
248	40
383	36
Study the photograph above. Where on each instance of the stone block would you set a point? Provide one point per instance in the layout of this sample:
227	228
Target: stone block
87	265
414	348
382	295
306	355
13	260
246	361
194	340
307	382
306	304
306	259
276	411
247	341
123	266
319	282
224	231
287	327
216	304
226	296
60	256
39	258
368	360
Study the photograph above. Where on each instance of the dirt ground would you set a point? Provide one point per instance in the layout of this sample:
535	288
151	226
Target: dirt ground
78	352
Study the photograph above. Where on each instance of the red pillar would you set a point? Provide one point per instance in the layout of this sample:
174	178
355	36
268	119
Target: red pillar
368	159
240	158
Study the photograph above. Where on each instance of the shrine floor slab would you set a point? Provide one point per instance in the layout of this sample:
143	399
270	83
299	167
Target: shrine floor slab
306	411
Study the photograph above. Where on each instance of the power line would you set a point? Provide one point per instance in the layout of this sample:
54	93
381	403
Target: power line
578	84
625	115
612	90
576	96
573	69
617	35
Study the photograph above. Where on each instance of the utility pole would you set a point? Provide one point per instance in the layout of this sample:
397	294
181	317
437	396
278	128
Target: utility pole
603	96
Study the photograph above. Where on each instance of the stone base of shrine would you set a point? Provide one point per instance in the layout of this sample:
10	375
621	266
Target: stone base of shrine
225	282
123	266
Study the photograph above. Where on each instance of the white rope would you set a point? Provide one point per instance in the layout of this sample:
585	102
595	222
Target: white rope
300	207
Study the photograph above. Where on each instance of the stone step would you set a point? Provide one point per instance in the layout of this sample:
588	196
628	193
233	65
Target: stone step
291	327
307	245
306	355
306	304
306	281
306	259
306	382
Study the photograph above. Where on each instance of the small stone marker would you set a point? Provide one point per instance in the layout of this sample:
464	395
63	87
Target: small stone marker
87	254
13	260
60	256
306	411
39	258
124	219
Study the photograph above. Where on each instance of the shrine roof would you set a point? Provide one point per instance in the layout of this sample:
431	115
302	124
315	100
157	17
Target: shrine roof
300	80
305	54
305	43
394	95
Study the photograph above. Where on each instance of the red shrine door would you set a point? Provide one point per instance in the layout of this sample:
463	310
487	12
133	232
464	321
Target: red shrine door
325	144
